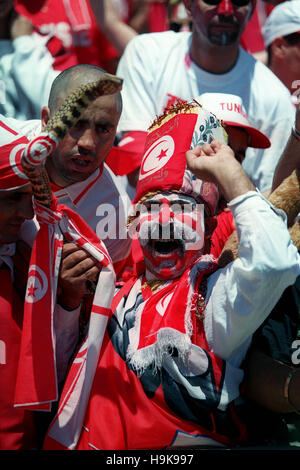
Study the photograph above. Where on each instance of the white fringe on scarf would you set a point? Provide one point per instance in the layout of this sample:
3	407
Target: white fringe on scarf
168	339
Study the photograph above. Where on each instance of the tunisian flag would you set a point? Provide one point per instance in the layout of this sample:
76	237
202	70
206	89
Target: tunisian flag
36	384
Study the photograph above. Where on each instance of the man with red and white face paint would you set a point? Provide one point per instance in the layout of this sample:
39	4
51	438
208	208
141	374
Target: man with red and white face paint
221	22
170	370
171	234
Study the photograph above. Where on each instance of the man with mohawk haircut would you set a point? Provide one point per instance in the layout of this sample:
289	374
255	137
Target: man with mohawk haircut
169	367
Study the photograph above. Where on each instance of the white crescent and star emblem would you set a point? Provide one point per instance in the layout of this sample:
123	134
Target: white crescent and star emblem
15	158
37	284
39	148
157	156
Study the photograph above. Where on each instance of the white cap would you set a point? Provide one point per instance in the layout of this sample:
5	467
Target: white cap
230	109
284	19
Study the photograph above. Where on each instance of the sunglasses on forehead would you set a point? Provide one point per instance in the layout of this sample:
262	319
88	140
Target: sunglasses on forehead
236	3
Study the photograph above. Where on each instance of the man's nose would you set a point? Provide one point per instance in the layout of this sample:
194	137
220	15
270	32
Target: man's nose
225	8
87	140
165	214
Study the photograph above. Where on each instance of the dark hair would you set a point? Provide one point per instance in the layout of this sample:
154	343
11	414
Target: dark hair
71	78
291	39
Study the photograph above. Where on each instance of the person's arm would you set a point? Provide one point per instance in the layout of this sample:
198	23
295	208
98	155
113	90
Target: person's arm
111	25
240	296
269	383
290	158
139	19
66	327
31	67
216	162
260	164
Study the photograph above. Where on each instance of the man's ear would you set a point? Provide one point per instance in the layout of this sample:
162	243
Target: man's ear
45	116
279	48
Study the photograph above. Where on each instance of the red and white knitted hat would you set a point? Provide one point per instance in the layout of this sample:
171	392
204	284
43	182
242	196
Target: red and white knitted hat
163	167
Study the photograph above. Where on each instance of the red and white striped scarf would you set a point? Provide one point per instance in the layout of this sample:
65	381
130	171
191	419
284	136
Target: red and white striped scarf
164	322
36	384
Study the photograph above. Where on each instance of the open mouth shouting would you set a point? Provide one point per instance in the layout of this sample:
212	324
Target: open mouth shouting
166	247
167	258
81	162
170	232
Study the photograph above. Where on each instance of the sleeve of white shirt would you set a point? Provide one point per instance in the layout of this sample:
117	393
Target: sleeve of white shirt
273	101
32	69
260	164
66	326
242	295
135	67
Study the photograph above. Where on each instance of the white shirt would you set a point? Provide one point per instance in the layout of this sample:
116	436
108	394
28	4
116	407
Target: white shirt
103	204
242	295
26	76
157	66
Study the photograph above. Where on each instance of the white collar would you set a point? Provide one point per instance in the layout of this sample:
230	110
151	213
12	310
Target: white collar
77	190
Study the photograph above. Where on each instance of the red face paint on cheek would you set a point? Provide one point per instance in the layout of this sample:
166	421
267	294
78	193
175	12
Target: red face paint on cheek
171	236
171	267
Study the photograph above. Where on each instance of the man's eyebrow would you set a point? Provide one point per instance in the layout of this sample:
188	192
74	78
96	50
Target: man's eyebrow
101	122
172	202
180	201
104	123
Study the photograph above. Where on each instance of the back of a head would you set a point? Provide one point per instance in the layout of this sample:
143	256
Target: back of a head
70	79
282	21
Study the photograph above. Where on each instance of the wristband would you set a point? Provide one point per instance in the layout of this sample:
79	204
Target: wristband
295	133
286	389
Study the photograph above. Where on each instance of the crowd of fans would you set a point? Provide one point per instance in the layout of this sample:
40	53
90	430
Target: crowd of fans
154	302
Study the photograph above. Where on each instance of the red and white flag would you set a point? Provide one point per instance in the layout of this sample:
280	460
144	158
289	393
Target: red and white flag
36	386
